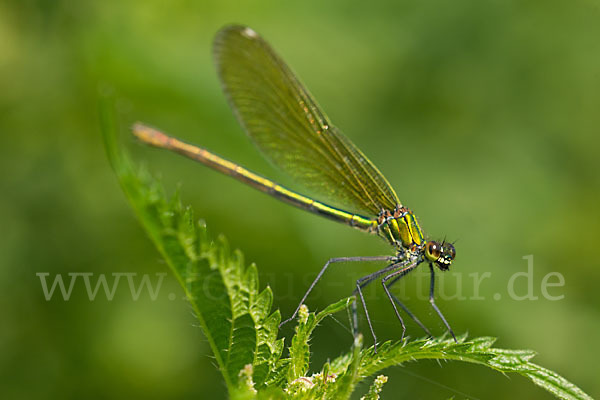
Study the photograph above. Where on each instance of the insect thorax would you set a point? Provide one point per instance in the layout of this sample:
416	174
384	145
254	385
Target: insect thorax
400	229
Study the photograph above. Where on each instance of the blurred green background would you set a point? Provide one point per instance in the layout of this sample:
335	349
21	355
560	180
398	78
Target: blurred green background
482	114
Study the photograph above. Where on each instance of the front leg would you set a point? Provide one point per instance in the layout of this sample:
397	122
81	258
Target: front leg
435	307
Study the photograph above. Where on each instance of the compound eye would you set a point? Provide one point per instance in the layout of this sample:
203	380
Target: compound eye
433	250
450	250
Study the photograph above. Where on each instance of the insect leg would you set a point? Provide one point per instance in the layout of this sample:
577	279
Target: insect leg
406	310
435	307
331	261
397	275
364	281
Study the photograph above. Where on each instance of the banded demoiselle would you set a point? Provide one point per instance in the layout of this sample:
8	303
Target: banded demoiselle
293	132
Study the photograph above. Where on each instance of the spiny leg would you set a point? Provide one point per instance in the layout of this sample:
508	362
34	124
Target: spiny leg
361	283
331	261
435	307
406	310
397	275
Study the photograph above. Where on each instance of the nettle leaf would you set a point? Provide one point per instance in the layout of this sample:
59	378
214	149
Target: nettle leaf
477	350
242	331
224	294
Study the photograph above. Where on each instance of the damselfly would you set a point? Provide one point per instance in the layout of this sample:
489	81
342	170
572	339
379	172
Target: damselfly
292	131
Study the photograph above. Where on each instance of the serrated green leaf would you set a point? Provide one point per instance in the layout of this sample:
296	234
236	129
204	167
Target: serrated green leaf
554	383
477	351
222	291
262	304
